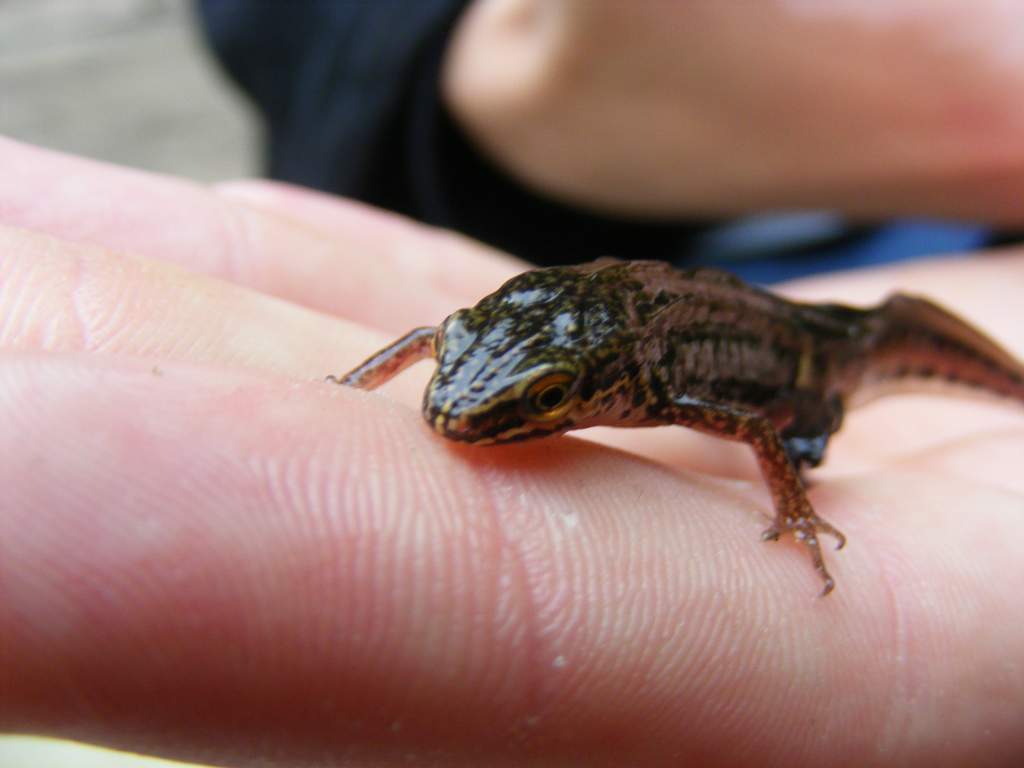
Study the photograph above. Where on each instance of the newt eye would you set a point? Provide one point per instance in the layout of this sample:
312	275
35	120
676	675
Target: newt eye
550	396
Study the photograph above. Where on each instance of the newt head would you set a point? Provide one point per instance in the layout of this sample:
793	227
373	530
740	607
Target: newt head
516	365
499	382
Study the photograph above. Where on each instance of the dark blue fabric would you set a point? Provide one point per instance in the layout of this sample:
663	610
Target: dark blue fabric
349	93
898	241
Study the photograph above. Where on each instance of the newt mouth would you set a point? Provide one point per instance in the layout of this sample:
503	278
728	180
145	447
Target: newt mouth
489	430
500	424
453	427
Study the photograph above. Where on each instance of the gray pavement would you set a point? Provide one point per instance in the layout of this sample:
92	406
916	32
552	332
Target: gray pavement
128	81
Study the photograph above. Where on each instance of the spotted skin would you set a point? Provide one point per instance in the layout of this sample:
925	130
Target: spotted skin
634	344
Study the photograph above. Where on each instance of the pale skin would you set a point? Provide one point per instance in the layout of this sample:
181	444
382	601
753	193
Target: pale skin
704	107
209	553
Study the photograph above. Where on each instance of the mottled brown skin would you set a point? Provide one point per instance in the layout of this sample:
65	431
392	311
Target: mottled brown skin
635	344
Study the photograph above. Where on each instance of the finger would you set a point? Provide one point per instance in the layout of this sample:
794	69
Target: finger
64	297
177	576
982	287
348	259
438	261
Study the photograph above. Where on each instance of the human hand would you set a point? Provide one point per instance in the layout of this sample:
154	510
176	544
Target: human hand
209	553
705	108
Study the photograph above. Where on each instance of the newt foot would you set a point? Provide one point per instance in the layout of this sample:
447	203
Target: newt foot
806	530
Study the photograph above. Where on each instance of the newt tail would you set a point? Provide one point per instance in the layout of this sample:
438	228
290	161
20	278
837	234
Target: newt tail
910	339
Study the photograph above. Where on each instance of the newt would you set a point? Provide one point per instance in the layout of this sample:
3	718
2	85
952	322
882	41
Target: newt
640	343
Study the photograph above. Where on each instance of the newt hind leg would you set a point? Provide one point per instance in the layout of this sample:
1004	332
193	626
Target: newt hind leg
809	451
813	422
793	511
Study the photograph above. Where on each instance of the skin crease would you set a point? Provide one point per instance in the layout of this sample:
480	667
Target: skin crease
209	554
877	108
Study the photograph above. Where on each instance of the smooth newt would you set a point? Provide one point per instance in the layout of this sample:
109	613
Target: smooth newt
636	344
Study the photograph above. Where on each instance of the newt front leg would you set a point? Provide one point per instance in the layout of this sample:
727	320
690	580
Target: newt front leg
416	345
793	512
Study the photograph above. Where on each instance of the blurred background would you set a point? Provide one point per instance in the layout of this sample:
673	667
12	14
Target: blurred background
126	81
